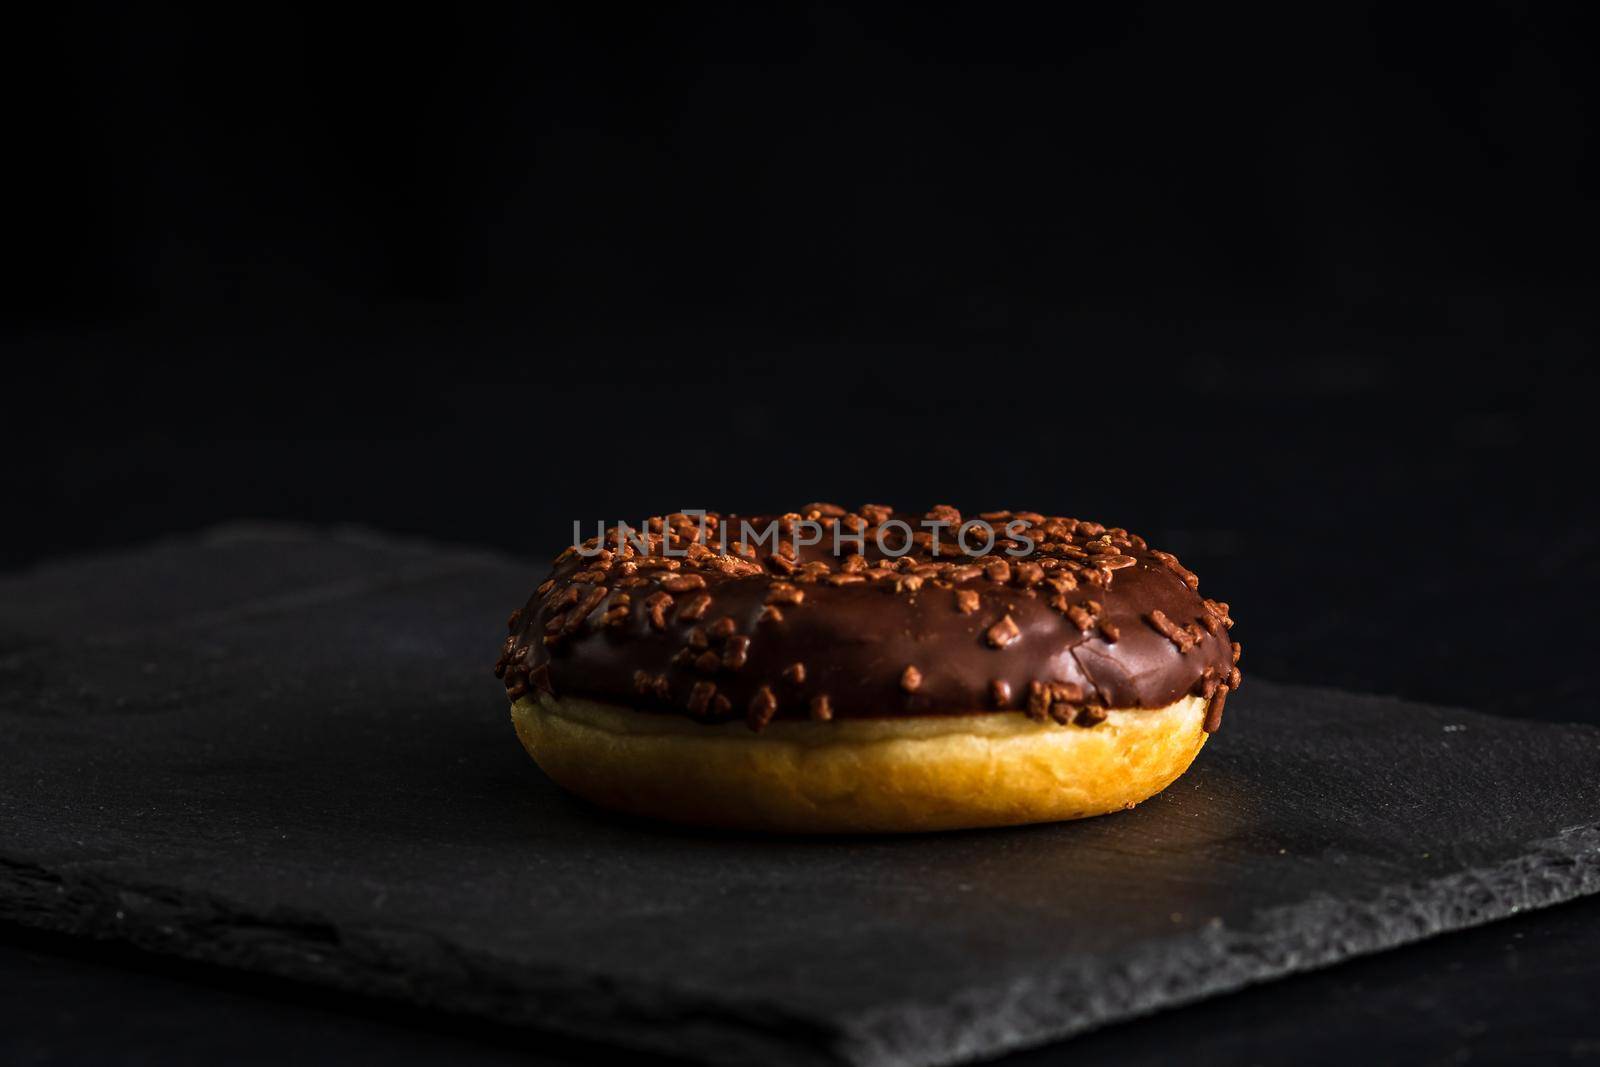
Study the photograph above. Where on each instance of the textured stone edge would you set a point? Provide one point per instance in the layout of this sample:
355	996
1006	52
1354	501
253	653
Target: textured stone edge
1085	993
394	964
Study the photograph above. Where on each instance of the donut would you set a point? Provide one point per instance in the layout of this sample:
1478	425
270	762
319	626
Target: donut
866	671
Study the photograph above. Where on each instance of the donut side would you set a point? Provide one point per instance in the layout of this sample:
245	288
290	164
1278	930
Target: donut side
893	774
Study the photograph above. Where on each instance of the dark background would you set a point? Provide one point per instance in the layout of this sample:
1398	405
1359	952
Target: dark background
1305	294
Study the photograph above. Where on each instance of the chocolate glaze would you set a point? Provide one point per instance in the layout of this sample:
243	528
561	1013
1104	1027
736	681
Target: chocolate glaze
1152	640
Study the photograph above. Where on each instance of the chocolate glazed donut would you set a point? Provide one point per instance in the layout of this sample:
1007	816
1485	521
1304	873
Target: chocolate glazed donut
902	672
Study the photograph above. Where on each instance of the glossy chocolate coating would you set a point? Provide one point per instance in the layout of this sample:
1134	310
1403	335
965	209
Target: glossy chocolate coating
856	640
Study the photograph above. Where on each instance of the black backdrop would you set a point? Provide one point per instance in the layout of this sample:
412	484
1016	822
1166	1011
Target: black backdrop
1306	295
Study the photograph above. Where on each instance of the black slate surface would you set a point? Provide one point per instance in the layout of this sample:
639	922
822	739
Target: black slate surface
280	751
1510	992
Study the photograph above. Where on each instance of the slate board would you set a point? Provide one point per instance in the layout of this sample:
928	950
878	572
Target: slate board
281	750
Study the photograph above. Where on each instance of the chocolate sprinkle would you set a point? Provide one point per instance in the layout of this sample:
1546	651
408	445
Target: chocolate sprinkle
736	652
694	607
763	706
700	697
1003	633
1171	630
657	604
1214	709
780	593
682	583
